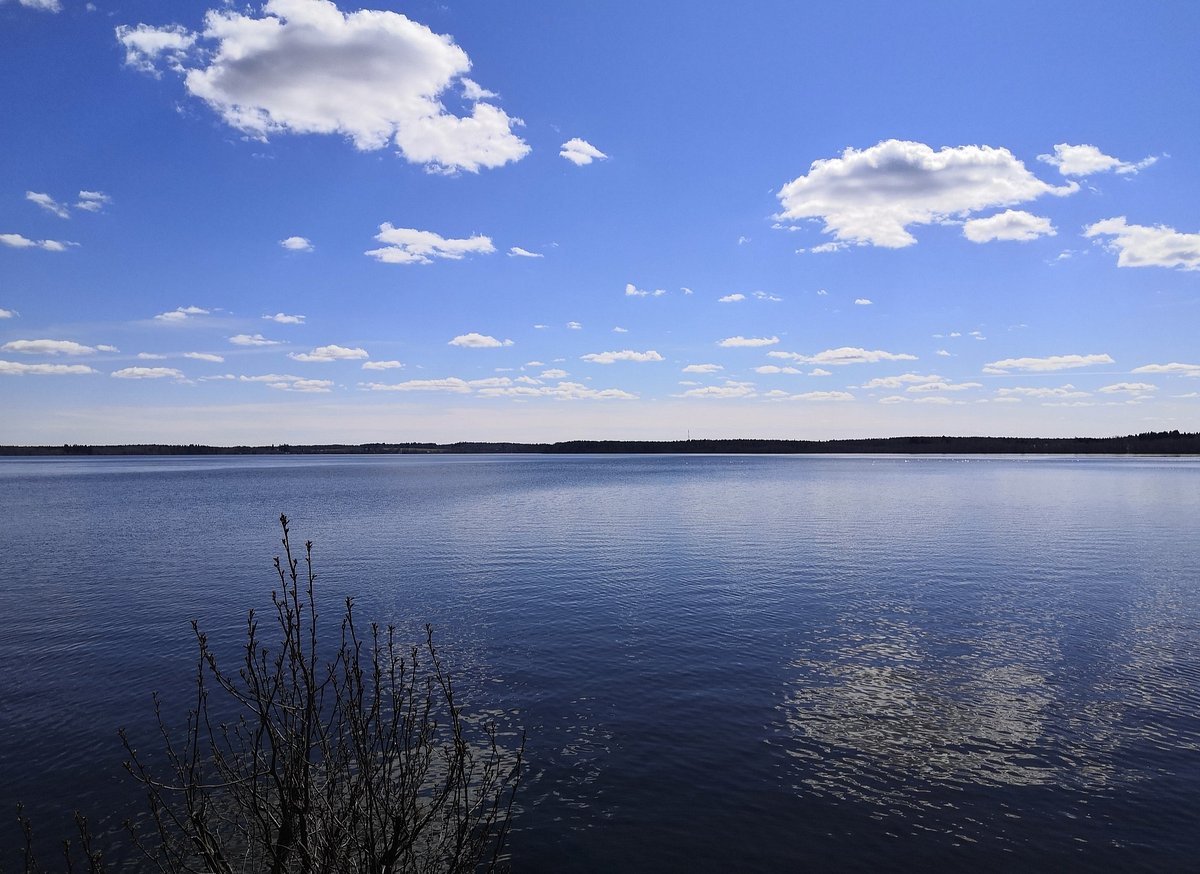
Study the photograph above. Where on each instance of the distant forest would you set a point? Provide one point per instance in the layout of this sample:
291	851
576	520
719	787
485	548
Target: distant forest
1148	443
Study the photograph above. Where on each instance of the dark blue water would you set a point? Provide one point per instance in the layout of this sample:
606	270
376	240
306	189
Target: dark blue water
722	663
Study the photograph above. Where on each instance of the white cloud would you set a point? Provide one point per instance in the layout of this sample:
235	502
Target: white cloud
819	371
632	290
252	340
553	373
942	386
762	295
1142	246
740	341
48	203
518	252
450	384
204	356
329	353
871	196
862	302
1084	160
48	347
297	244
1042	392
285	319
145	45
150	356
623	355
702	368
473	91
17	368
1052	362
1012	224
823	396
42	5
305	67
1128	388
580	152
410	246
308	386
686	290
845	355
720	391
92	201
8	314
475	340
575	326
566	391
17	241
775	368
181	314
942	353
147	373
1174	368
895	382
617	329
382	365
731	298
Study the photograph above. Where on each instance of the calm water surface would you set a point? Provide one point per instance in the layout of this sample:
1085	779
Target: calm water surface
722	663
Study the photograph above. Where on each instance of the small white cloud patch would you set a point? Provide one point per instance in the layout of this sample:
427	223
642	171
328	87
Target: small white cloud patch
622	355
329	353
580	152
1012	224
1143	246
1084	160
297	244
411	246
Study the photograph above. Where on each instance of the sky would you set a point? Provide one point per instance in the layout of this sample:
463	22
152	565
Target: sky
309	222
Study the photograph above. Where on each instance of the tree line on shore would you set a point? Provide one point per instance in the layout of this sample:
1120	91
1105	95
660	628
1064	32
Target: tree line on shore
1146	443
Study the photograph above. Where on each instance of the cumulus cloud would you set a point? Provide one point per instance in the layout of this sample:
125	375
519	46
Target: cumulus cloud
822	396
575	326
146	46
1052	362
92	201
17	368
42	5
518	252
287	382
617	329
623	355
1012	224
740	341
475	340
1174	368
702	368
1084	160
329	353
565	391
580	152
871	196
48	203
1135	388
845	355
18	241
48	347
632	290
8	314
450	384
731	298
410	246
204	356
147	373
304	67
862	302
1042	392
731	390
895	382
252	340
297	244
553	373
285	319
942	386
1143	246
181	314
382	365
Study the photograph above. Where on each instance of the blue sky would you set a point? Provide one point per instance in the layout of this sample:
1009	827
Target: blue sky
304	222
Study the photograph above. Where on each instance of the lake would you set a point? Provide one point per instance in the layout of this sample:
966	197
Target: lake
722	662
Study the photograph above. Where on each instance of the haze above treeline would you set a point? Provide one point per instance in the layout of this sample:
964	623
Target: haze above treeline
1146	443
